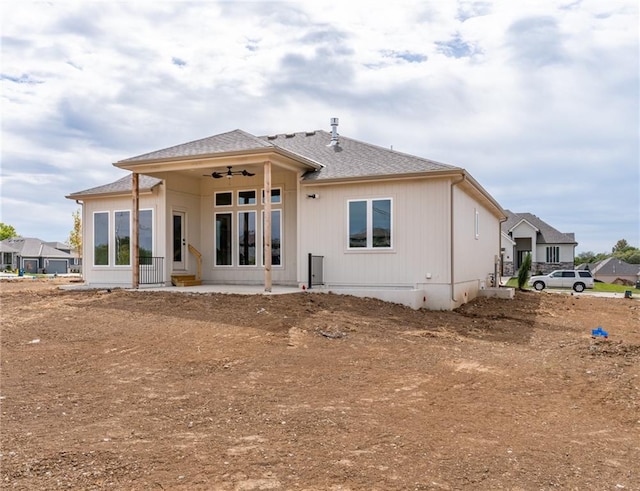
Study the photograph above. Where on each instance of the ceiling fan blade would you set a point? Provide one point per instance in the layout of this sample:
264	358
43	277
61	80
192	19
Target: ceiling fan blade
230	173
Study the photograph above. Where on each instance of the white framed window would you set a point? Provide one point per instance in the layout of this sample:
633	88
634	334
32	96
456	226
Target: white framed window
476	222
370	223
276	196
276	238
246	198
101	238
553	254
224	239
247	238
223	198
119	239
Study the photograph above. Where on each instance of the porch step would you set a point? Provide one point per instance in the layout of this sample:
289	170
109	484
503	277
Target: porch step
185	280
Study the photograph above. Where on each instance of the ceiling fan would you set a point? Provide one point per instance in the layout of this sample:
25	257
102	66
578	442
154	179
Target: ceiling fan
230	173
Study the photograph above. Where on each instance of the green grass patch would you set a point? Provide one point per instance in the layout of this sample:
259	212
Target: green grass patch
608	287
513	282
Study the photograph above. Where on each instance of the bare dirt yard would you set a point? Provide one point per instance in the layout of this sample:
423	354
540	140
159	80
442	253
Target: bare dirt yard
149	390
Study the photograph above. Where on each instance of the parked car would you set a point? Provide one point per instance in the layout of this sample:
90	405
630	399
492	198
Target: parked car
563	278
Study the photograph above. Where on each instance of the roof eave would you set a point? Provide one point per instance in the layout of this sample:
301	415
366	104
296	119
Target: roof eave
528	223
550	243
500	212
380	177
506	236
110	194
206	160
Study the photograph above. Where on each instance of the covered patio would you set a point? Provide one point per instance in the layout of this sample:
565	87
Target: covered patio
197	289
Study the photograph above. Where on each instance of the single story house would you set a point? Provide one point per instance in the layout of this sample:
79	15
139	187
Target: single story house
75	261
310	209
35	256
611	269
525	233
8	256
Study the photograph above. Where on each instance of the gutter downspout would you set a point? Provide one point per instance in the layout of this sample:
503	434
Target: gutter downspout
81	252
499	268
451	255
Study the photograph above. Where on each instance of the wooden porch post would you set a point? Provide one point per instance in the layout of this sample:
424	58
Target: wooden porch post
135	255
267	226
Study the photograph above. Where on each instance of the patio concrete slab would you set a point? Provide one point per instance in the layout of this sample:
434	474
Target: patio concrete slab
230	289
233	289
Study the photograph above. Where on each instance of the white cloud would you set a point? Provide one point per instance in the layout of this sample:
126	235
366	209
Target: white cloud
537	99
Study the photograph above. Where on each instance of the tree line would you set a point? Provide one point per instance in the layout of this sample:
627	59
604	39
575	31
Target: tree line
75	236
622	250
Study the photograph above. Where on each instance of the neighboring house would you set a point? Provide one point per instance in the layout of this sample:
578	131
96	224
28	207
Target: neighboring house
8	256
35	256
344	215
75	261
525	233
611	269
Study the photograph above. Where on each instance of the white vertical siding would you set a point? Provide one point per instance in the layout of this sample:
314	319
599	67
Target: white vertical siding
420	234
420	257
118	275
475	247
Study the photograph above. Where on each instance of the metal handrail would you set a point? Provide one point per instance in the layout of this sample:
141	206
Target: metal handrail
151	270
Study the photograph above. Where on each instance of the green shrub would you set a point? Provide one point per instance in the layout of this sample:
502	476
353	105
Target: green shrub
523	272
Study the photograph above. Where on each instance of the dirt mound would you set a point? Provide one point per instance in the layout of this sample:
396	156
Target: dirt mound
142	390
622	281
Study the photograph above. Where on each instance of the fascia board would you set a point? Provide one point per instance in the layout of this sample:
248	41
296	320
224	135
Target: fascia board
506	236
524	220
484	195
383	177
207	161
110	194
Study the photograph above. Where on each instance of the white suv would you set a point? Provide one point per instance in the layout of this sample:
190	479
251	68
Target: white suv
563	278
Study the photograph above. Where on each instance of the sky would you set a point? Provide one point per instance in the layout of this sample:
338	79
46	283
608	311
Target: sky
537	99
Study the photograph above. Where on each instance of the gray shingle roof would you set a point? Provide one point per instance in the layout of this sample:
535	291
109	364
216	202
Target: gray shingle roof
232	141
31	247
615	266
5	247
352	158
59	245
349	159
123	185
546	233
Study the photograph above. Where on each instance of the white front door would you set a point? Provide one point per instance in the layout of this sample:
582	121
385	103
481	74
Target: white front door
179	241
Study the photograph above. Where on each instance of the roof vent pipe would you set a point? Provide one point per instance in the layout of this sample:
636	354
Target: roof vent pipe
334	132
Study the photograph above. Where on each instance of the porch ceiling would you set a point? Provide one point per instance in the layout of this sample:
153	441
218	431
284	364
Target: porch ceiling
204	165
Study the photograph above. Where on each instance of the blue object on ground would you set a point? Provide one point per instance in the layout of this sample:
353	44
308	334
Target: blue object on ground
599	332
